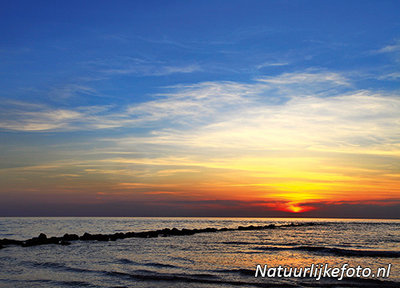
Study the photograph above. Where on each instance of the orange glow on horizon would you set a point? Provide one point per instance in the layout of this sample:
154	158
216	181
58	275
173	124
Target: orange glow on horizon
294	207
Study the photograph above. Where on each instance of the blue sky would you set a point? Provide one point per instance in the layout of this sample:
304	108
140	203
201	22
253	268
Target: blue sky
149	92
101	52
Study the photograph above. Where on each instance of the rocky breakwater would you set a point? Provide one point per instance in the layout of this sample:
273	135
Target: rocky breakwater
42	239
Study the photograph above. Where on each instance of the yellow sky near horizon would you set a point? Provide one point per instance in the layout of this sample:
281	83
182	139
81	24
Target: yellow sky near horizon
215	142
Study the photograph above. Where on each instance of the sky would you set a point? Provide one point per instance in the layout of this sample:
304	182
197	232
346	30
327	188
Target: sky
200	108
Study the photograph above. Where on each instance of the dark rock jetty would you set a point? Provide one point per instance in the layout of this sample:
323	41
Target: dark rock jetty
42	239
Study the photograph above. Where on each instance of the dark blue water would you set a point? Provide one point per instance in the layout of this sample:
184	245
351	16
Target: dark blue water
226	259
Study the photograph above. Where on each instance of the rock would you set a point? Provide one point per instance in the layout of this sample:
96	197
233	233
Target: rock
10	242
86	236
174	231
152	234
40	240
120	235
55	240
70	237
187	232
141	235
29	242
210	230
64	240
42	237
130	234
101	237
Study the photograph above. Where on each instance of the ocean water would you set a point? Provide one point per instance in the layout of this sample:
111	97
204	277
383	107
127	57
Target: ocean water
219	259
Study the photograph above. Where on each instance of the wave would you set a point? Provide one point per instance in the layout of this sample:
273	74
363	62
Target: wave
246	272
338	251
193	278
238	243
126	261
256	243
212	277
149	264
57	266
159	265
53	283
182	260
73	283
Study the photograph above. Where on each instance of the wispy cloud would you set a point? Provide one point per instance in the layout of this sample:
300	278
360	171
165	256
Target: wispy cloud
390	76
140	66
20	116
45	119
292	137
305	78
72	90
356	121
285	134
272	64
231	114
390	48
153	70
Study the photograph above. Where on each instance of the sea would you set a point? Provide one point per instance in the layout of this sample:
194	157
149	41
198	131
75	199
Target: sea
217	259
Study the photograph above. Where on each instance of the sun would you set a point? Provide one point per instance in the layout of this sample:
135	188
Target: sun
296	207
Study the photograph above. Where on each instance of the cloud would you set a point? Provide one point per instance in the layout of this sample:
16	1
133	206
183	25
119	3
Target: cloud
390	76
295	136
272	64
236	116
307	77
167	70
293	111
72	90
390	48
357	120
148	69
19	116
290	111
45	119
